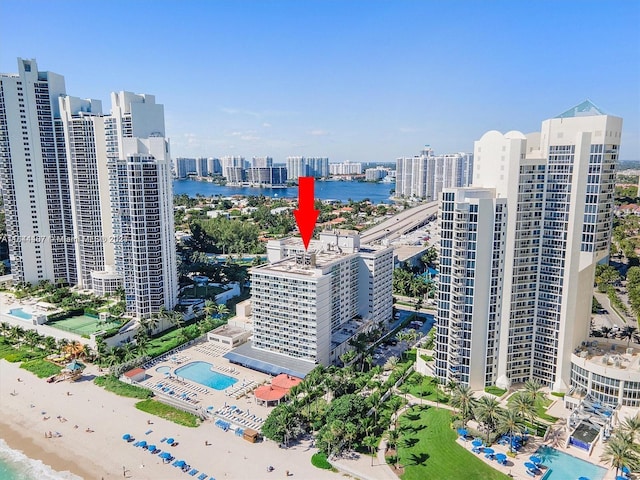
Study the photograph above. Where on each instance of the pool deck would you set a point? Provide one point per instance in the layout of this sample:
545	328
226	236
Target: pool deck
247	412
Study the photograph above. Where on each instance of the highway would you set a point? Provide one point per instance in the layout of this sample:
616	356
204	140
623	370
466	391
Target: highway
401	223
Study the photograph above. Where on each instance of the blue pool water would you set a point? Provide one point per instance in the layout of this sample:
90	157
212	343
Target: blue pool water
561	466
201	372
163	369
18	312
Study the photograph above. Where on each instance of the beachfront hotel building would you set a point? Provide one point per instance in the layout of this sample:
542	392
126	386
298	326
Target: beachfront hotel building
307	305
88	196
34	176
556	187
424	176
345	168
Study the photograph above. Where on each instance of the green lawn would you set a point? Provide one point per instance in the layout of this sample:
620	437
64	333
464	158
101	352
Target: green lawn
168	413
428	449
422	387
41	368
112	384
541	407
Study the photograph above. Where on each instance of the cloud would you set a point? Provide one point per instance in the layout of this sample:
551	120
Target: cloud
318	133
266	125
409	129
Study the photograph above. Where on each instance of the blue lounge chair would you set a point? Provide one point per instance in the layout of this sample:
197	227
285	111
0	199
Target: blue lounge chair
530	473
193	472
202	476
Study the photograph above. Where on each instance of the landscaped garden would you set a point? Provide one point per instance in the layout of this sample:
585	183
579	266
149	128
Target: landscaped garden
427	448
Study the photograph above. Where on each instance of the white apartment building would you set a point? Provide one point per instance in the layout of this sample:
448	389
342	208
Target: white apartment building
142	203
266	176
307	167
345	168
425	175
185	167
558	187
84	130
34	176
308	305
375	174
261	162
473	224
232	166
202	166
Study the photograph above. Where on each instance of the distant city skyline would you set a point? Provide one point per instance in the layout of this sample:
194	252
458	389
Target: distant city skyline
360	81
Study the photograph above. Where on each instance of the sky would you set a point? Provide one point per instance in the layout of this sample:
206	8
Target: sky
349	80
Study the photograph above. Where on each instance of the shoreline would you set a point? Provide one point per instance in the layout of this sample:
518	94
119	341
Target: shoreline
17	440
92	421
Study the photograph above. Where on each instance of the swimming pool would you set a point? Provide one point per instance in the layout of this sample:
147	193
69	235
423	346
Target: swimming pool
201	372
18	312
561	466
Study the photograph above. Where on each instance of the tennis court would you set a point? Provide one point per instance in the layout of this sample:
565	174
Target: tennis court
82	324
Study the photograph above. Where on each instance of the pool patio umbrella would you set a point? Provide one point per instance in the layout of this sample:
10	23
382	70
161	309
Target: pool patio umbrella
530	465
535	459
152	448
180	463
501	457
462	432
170	440
620	477
142	443
165	455
489	450
625	470
126	436
477	442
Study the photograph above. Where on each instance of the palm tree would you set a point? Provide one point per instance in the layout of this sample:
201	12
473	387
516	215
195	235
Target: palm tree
31	338
392	440
150	324
112	357
523	405
435	382
391	363
606	331
534	390
142	343
462	399
627	332
631	425
223	311
129	351
375	399
510	421
209	308
50	344
5	328
487	412
372	443
619	452
176	319
75	349
16	333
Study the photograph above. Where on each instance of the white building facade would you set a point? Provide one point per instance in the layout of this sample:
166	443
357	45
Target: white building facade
558	187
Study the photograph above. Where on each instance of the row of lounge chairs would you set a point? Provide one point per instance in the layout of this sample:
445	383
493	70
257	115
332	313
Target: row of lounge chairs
177	392
241	390
165	356
167	457
239	417
211	349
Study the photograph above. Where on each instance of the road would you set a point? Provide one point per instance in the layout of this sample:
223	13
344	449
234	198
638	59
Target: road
400	223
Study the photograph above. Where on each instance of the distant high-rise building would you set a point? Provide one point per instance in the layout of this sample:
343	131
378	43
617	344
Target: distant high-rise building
307	305
345	168
202	166
185	167
267	176
556	190
261	162
425	175
214	167
375	174
307	167
233	168
34	176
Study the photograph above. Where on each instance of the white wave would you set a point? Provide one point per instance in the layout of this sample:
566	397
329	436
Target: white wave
28	468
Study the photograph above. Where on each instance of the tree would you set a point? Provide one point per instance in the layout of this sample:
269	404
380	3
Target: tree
150	324
223	310
209	308
627	332
391	363
16	333
487	412
113	357
510	422
619	452
631	425
128	352
523	405
50	344
534	390
371	443
462	399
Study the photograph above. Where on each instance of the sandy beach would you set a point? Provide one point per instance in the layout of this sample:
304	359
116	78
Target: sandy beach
30	409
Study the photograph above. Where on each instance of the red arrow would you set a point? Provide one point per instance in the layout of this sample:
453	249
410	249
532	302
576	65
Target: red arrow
306	215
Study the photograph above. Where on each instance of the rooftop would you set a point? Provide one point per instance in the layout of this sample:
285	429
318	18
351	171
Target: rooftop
585	109
610	354
268	362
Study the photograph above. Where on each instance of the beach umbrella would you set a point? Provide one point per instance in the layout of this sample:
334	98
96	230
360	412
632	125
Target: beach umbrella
477	442
489	450
501	456
126	436
462	432
530	465
625	470
165	455
535	459
152	448
180	463
170	441
142	443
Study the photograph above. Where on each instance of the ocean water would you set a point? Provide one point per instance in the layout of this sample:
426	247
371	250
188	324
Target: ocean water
15	465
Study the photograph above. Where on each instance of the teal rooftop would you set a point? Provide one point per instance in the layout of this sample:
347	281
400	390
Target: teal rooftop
585	109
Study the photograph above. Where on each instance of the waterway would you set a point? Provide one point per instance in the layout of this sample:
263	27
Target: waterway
325	190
